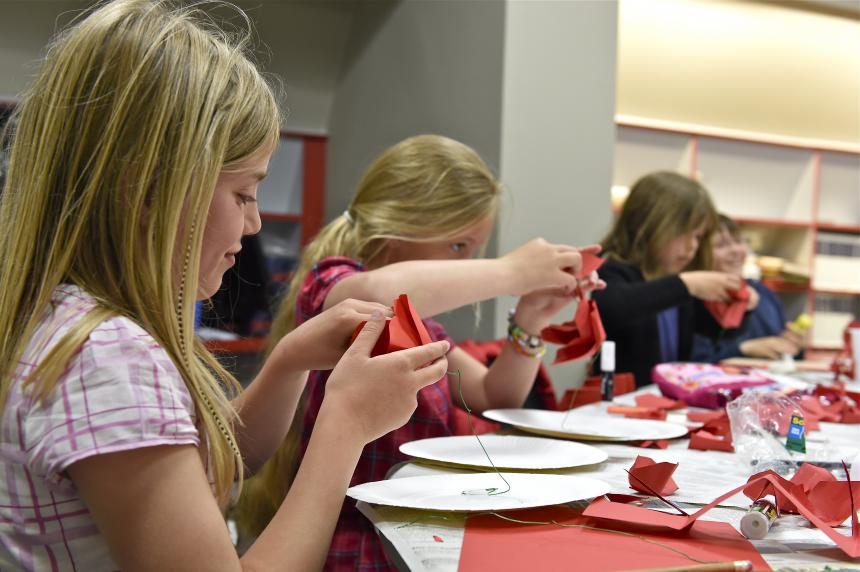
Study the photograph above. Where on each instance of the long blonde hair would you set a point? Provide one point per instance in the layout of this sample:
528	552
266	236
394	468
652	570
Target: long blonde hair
116	150
426	188
661	206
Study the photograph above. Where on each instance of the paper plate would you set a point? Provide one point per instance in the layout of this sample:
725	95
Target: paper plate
467	492
507	452
586	427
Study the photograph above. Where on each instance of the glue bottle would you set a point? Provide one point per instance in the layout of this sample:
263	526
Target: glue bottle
607	369
757	521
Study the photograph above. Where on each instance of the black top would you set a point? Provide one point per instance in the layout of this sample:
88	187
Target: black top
629	306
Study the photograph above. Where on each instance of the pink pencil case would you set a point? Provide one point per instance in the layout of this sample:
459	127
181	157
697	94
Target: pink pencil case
704	384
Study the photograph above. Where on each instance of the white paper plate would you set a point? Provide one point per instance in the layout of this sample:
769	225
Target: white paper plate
446	492
507	452
586	427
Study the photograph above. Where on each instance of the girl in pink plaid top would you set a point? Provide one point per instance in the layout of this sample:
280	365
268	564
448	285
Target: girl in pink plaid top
421	212
135	160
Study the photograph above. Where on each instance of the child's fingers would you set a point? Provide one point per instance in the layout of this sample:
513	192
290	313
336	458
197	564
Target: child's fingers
369	334
367	308
431	374
421	355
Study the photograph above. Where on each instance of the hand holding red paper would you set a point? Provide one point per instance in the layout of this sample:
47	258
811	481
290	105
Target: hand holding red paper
730	314
404	330
320	342
372	395
583	335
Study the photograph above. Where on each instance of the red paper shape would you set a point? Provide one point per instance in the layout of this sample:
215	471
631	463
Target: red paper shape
649	477
657	402
656	414
731	314
705	416
403	331
582	336
766	482
649	444
491	543
590	391
706	441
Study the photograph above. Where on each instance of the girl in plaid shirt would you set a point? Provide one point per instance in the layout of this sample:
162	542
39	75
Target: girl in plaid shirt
422	211
133	176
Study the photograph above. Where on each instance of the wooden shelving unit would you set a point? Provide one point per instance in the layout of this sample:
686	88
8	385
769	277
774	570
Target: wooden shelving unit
791	196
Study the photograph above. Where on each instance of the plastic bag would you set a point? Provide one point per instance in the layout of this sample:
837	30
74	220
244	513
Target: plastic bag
760	423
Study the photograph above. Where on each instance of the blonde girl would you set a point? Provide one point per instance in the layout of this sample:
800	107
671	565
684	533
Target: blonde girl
421	212
659	250
133	176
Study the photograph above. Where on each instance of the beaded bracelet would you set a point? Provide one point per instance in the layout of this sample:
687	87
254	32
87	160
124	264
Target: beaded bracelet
523	342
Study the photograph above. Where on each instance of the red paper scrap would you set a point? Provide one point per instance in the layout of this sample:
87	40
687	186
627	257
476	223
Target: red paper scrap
657	402
491	543
649	477
656	414
840	495
437	539
582	336
652	444
821	492
731	314
706	441
403	331
705	416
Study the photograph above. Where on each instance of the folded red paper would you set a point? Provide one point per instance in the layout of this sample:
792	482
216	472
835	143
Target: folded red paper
403	331
491	543
731	314
649	477
840	497
582	336
714	435
658	402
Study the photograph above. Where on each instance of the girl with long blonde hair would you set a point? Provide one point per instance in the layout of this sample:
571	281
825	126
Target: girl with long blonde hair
420	213
659	260
133	173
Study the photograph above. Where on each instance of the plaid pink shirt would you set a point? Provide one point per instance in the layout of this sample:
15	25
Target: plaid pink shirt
121	391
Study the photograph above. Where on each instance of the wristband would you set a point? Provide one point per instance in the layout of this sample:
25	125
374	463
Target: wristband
523	342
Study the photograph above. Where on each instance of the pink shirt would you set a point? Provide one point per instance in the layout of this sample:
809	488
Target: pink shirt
121	391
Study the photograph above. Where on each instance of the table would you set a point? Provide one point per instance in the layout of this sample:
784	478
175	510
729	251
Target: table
421	541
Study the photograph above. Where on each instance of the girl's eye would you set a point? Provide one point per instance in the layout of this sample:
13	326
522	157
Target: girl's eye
245	199
458	246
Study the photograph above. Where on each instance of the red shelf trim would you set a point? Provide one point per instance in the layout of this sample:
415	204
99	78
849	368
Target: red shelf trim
837	292
284	217
773	222
852	228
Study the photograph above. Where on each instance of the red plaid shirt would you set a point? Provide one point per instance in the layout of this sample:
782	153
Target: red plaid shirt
355	545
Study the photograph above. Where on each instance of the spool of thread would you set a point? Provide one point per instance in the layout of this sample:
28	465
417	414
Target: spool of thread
756	523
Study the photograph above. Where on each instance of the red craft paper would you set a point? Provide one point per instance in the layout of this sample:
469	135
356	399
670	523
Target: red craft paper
491	543
655	414
590	391
706	441
658	402
657	476
582	336
768	482
821	493
705	416
731	314
403	331
649	444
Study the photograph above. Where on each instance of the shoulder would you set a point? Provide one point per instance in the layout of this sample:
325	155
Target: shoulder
613	268
320	280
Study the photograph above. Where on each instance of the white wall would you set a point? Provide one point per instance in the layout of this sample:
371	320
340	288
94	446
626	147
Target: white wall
557	130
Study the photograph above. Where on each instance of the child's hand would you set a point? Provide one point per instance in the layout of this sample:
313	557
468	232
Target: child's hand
539	265
321	341
771	347
535	310
709	285
371	396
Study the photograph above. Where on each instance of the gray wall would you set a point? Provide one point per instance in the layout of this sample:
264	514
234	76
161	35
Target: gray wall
418	67
558	131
